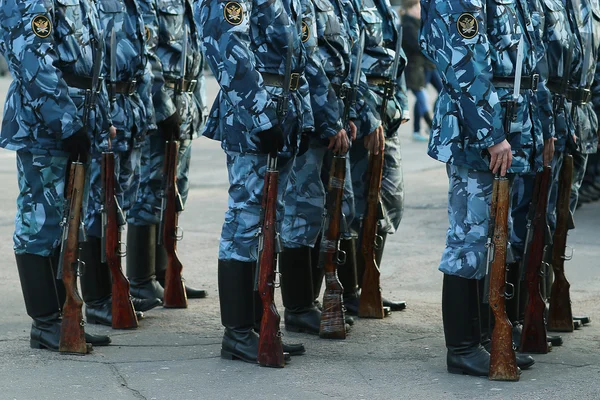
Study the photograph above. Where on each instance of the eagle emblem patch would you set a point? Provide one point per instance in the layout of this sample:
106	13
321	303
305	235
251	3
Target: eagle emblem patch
233	13
305	32
467	26
41	26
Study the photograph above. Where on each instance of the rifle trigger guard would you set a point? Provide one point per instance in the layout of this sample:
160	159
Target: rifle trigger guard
178	234
509	294
277	281
80	268
378	242
569	256
122	252
341	257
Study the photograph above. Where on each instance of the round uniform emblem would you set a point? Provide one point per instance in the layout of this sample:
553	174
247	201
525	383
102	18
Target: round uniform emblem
305	31
467	26
233	13
41	25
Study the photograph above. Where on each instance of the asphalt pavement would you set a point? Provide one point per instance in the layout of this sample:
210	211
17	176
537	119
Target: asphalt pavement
174	355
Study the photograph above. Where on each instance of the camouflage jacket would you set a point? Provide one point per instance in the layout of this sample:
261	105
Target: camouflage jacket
166	22
584	17
244	41
558	41
382	24
130	113
473	44
44	42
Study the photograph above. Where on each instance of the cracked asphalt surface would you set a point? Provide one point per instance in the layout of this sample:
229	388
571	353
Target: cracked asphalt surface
174	355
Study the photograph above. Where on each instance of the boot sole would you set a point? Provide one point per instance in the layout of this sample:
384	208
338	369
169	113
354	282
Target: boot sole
301	330
227	355
96	321
36	344
460	371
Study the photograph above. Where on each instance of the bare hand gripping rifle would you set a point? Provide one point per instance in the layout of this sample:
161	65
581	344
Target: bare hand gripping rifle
72	333
503	362
333	324
172	204
270	346
371	301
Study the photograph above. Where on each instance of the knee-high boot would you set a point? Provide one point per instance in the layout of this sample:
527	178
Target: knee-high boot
317	273
347	274
300	314
44	296
141	251
460	314
393	305
161	269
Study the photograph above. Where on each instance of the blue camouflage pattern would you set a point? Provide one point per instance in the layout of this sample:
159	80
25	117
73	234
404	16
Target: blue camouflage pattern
238	55
469	116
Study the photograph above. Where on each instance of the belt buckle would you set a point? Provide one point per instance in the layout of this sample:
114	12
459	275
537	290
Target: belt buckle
294	81
535	80
132	86
586	94
192	85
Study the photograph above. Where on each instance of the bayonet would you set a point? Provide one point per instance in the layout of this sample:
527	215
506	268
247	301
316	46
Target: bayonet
113	65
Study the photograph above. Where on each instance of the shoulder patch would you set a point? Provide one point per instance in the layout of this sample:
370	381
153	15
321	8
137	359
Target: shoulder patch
467	26
233	13
305	31
41	26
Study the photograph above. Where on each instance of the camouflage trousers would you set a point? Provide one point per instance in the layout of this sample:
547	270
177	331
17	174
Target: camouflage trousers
239	235
127	182
469	202
392	184
40	203
305	197
146	209
522	195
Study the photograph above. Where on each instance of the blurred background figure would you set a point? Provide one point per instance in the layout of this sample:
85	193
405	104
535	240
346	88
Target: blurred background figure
419	71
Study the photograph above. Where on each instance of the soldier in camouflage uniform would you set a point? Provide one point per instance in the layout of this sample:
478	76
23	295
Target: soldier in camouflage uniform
246	46
179	106
50	49
474	47
381	25
132	115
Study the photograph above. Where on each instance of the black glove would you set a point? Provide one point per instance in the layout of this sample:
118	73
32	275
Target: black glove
170	127
304	144
78	145
271	140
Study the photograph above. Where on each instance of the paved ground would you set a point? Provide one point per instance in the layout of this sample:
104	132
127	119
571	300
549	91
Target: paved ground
175	353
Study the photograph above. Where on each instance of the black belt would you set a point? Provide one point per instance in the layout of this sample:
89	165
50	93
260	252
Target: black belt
126	88
575	95
508	82
181	85
277	80
81	82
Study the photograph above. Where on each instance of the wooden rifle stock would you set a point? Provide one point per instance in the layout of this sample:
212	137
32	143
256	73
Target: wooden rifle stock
534	336
72	334
333	323
371	302
175	295
270	347
560	315
503	363
123	313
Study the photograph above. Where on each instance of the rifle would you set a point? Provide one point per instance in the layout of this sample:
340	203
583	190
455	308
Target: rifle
503	363
371	302
72	334
333	323
560	315
113	221
270	347
534	336
175	295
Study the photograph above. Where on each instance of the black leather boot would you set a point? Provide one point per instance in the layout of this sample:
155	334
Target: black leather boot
300	314
236	298
44	296
486	320
393	305
96	286
317	272
461	327
161	269
141	249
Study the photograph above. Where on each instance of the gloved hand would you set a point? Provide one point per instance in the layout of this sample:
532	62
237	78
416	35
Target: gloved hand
271	140
304	144
170	127
78	145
